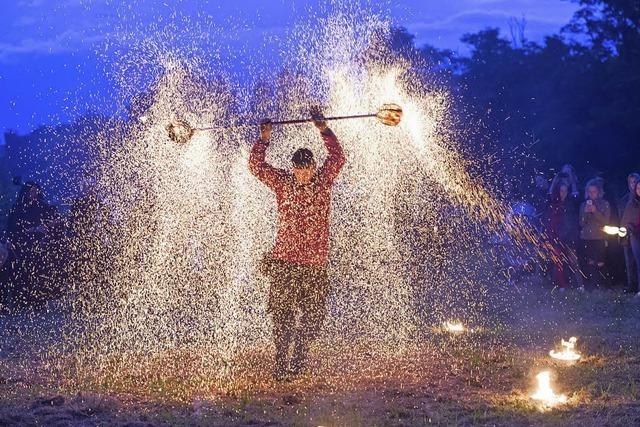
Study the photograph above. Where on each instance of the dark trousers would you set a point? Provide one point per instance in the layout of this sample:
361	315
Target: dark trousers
633	253
297	304
592	256
631	267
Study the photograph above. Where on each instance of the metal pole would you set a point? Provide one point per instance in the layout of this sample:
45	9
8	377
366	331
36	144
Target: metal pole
286	122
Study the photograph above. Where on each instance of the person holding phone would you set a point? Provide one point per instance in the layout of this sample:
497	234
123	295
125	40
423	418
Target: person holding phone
595	213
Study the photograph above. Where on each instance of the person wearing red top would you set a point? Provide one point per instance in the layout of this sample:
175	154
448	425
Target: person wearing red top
297	265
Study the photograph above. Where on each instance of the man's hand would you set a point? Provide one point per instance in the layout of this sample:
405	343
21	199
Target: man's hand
265	130
318	118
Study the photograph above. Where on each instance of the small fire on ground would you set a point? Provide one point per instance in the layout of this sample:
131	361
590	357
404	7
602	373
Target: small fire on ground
454	327
568	351
545	394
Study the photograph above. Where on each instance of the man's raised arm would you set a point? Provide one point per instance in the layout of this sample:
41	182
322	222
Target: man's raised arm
335	158
272	177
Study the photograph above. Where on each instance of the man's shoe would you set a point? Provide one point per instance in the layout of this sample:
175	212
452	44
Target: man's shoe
299	363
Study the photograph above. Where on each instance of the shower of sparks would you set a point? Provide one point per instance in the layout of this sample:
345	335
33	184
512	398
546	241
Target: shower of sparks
568	350
168	289
545	394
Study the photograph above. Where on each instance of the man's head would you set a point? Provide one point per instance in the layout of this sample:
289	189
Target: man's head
304	165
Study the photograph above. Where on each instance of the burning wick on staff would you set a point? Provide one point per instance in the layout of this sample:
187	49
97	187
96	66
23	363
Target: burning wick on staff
612	230
568	352
454	327
545	393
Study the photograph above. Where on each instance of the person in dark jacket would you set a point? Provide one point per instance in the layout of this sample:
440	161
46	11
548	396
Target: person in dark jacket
561	226
595	213
631	220
297	265
631	267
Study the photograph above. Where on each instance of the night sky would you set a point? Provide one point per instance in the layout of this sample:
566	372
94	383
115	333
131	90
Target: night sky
49	66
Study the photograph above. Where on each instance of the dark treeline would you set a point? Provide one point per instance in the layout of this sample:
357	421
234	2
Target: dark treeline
573	98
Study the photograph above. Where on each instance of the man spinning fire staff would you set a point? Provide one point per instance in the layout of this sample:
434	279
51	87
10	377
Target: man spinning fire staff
297	265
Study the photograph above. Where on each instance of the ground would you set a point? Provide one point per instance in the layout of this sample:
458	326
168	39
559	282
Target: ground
479	378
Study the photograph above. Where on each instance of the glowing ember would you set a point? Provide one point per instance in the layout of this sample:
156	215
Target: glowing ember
454	327
545	393
612	230
568	352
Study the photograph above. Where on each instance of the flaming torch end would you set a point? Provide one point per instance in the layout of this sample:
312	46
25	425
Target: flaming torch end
389	114
180	131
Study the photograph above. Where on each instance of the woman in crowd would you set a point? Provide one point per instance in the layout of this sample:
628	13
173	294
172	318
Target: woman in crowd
631	220
595	213
561	226
567	175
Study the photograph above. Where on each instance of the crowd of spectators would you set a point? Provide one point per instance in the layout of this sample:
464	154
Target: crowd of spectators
574	221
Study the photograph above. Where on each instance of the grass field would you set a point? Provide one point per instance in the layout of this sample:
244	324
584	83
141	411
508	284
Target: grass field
480	378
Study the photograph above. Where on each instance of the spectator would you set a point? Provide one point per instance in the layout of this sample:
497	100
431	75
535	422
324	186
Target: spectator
595	213
27	228
630	264
567	175
561	225
631	220
613	249
539	195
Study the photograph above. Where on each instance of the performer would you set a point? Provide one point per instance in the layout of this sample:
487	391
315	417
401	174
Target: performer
297	265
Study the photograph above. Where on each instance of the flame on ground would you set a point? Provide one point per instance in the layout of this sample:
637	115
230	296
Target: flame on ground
545	393
454	327
568	350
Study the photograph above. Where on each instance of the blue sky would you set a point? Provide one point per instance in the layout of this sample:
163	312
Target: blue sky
49	67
